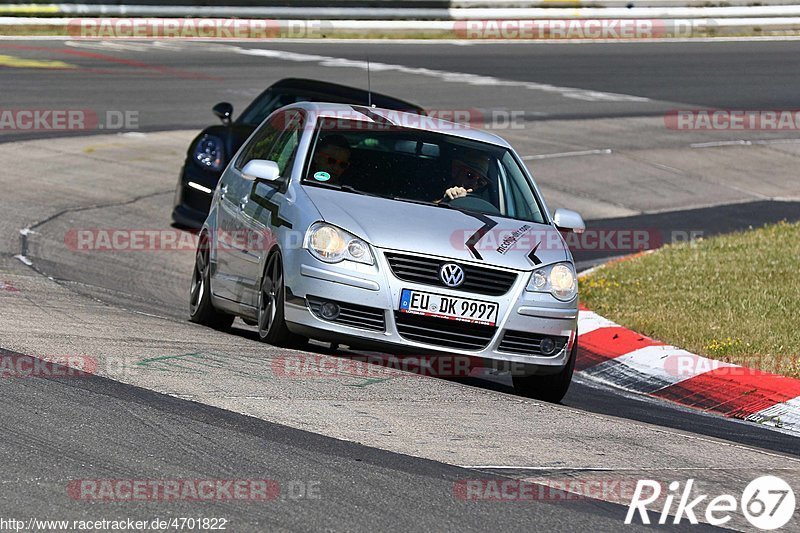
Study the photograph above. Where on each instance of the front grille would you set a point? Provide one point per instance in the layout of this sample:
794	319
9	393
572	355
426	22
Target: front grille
425	270
443	332
524	343
355	316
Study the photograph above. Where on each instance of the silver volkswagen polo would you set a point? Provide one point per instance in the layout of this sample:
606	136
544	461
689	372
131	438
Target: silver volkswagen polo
381	229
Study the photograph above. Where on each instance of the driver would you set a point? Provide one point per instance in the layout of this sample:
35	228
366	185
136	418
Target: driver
331	159
468	174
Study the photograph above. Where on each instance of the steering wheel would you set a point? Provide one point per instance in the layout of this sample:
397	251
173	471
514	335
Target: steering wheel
473	202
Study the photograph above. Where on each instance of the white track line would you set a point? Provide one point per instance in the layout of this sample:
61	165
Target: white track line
579	153
744	142
446	76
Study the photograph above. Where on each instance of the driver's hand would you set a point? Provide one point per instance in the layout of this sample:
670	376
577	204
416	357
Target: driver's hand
456	192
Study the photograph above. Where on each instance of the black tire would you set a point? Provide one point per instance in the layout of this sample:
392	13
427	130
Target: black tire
201	309
548	388
272	327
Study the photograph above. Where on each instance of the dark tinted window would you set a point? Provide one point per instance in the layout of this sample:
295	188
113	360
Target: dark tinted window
259	146
285	148
408	164
266	104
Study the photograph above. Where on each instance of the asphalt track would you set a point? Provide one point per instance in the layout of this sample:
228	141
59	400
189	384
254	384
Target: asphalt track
172	87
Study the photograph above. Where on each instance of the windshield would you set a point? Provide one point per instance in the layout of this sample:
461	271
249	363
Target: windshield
420	166
269	101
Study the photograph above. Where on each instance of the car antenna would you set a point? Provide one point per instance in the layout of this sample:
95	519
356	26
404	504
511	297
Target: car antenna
369	86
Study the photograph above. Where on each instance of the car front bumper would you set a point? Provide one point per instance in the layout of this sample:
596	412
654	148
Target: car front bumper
369	294
191	205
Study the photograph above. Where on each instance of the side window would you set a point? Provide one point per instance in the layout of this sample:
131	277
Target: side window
519	197
275	141
261	143
284	150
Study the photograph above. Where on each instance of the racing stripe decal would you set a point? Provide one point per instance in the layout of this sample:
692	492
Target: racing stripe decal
488	224
374	116
532	256
273	208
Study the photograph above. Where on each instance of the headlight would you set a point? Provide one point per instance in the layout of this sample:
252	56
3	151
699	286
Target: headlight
559	280
333	245
209	152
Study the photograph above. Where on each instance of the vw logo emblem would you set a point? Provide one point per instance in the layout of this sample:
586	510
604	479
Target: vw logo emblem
451	274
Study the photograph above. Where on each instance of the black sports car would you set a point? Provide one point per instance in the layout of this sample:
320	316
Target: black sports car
211	150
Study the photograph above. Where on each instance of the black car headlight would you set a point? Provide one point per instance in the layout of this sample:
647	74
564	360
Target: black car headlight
209	152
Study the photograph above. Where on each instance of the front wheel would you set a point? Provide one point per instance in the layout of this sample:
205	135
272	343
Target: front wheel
271	324
551	387
201	309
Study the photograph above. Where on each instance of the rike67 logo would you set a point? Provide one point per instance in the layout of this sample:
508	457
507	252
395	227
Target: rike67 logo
768	503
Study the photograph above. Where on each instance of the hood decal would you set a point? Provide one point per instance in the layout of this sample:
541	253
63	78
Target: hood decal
488	224
512	239
532	256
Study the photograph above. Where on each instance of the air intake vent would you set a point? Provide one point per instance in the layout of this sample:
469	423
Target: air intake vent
524	343
443	332
355	316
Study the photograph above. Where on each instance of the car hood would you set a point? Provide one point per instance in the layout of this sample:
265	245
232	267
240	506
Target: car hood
440	231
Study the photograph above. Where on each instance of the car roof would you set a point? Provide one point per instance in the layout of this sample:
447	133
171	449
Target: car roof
401	119
343	93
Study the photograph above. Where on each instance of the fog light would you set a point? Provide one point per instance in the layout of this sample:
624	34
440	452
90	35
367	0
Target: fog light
548	346
329	310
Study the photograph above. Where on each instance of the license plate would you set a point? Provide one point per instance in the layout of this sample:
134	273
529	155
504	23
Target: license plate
449	307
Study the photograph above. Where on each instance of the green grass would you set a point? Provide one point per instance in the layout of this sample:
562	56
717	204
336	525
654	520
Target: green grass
734	298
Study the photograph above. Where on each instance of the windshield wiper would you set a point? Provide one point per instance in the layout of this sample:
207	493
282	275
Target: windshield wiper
346	188
350	188
322	185
425	202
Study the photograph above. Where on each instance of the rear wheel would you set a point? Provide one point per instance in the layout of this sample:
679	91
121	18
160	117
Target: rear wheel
271	324
551	387
201	309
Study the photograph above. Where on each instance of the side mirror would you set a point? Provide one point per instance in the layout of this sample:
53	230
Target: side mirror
224	111
568	220
261	170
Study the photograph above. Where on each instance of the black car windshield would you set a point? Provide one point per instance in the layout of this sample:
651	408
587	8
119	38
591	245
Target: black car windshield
420	166
266	103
